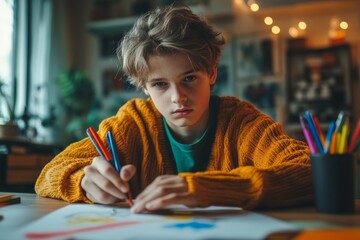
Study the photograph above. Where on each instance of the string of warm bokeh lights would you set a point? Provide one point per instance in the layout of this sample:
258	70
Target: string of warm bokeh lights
337	26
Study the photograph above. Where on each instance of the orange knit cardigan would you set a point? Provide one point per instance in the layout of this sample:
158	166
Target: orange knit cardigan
252	162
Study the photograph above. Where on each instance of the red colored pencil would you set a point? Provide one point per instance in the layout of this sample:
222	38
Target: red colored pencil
100	144
354	137
319	130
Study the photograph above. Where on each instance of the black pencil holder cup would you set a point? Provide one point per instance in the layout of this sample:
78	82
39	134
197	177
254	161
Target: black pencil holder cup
333	181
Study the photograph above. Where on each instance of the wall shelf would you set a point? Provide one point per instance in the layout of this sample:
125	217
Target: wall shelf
112	26
319	80
110	32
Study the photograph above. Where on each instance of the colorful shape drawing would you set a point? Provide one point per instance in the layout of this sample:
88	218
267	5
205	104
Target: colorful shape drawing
192	225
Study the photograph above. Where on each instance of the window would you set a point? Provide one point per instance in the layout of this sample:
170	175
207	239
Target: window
7	42
6	57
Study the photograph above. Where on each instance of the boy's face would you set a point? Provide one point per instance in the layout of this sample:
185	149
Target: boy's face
179	93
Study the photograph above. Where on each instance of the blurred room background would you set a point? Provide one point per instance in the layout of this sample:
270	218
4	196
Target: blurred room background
59	73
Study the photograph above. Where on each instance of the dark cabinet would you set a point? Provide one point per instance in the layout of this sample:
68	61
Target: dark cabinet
21	162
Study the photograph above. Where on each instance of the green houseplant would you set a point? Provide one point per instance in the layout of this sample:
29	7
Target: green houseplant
77	97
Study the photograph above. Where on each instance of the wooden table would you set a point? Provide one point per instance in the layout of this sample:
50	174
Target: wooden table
33	207
309	215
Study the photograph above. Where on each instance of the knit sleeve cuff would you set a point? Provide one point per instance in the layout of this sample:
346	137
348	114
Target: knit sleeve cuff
226	189
75	193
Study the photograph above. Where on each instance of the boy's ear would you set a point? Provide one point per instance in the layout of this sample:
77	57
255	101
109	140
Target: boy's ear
213	77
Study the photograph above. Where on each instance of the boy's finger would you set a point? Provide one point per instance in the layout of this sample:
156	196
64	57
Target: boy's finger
95	194
179	198
93	177
157	194
127	172
106	170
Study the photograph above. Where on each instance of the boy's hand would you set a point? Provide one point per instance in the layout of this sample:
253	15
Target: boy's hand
163	191
103	184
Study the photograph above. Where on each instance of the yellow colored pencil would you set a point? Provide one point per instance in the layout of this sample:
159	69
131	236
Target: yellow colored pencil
5	197
338	138
343	138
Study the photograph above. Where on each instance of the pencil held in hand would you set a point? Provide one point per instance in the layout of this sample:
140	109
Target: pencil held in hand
116	162
111	157
99	145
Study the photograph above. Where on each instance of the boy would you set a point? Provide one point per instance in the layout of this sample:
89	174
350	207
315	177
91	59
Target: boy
181	145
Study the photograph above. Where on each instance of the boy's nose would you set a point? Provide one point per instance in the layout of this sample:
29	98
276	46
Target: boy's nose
178	96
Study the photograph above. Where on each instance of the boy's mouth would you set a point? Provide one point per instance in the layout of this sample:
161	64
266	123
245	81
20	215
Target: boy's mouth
182	111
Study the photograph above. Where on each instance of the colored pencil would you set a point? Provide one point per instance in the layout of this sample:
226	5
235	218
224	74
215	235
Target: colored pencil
95	144
111	142
357	146
333	145
116	162
10	201
354	137
340	121
338	142
329	137
343	137
315	134
99	144
307	136
319	130
5	197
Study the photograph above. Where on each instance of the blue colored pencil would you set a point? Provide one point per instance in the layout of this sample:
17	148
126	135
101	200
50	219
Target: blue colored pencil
111	141
116	162
329	137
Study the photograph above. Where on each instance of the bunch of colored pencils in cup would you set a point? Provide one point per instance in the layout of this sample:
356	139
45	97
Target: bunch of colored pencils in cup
338	139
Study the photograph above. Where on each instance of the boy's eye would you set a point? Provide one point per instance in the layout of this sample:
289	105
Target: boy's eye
159	84
190	78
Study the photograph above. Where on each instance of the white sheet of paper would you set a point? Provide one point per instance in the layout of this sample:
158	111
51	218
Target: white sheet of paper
84	221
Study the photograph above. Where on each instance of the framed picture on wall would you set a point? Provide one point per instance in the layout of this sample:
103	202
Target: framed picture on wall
255	56
257	76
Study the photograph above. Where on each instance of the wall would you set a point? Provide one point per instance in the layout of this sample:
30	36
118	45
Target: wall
83	47
242	23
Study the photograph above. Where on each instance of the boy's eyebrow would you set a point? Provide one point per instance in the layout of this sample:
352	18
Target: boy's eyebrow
190	71
161	78
155	79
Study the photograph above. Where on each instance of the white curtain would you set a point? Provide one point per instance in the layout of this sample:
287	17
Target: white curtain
42	63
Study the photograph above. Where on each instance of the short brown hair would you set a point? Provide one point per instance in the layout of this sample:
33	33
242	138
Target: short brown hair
169	31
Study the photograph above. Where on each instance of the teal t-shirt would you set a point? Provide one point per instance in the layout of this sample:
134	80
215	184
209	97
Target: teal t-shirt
194	157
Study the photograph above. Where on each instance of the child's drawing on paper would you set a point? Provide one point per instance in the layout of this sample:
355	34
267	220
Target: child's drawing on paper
108	216
103	222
